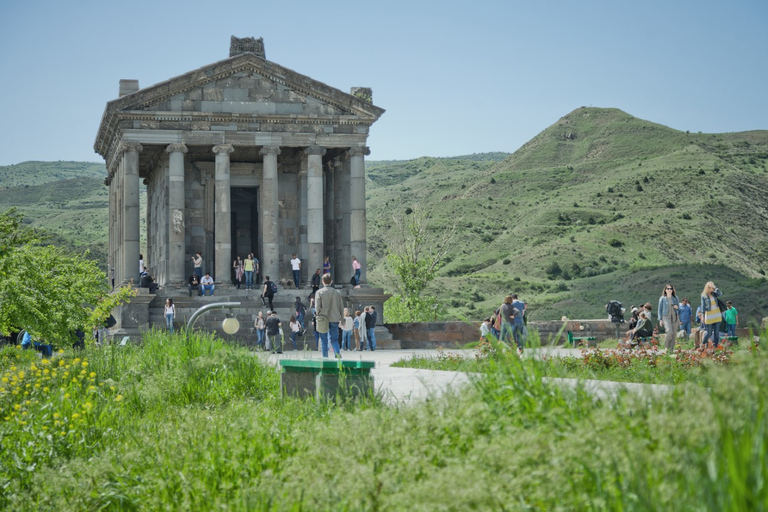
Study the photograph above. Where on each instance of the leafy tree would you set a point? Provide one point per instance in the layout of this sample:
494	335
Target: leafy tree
417	250
47	290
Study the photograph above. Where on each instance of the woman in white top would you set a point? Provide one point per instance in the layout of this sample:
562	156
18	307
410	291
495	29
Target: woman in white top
348	323
170	312
295	328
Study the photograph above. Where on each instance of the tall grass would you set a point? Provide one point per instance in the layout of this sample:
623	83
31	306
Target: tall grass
511	441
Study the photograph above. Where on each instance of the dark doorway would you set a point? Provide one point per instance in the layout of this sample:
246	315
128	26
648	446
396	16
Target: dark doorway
245	222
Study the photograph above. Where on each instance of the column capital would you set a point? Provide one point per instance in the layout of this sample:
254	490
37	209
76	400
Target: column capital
364	151
176	148
131	146
269	150
223	149
315	150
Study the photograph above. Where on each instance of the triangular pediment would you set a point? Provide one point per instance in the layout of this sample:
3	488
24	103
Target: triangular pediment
247	85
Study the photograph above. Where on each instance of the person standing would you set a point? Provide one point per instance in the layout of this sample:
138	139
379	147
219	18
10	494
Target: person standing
295	327
315	282
668	314
327	266
507	313
273	327
197	261
249	266
257	271
301	310
268	292
711	313
356	329
259	325
684	315
370	327
519	323
731	319
357	269
328	304
238	266
141	264
296	269
206	283
170	313
346	330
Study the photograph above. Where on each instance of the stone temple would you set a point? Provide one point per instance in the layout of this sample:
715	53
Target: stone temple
239	156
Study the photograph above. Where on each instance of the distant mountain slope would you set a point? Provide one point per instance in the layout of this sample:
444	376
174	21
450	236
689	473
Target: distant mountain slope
67	199
598	193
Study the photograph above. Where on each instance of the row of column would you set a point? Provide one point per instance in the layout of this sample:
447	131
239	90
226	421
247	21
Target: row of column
125	205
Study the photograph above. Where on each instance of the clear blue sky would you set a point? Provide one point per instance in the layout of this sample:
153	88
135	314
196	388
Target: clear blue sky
455	77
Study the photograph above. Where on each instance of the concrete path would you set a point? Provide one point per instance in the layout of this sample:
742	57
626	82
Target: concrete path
408	385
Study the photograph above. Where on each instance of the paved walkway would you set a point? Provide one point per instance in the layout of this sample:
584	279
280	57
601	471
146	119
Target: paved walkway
407	385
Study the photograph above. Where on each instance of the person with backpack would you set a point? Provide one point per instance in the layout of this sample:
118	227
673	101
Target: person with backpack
270	289
301	310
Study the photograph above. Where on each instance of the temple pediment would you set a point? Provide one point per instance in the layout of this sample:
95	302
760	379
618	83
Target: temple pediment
246	90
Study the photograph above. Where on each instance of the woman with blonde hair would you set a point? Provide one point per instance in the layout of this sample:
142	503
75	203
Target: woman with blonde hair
712	314
668	315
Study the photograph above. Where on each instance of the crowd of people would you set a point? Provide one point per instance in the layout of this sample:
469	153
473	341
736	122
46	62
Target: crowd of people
711	319
333	325
508	323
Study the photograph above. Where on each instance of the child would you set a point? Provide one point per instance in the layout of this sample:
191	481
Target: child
485	329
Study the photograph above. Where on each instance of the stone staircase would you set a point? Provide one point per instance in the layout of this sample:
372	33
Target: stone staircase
250	305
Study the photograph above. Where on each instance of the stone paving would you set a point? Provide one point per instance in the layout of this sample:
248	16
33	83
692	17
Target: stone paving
409	385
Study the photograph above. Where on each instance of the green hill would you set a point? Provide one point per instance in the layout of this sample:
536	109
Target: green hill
590	202
601	205
67	199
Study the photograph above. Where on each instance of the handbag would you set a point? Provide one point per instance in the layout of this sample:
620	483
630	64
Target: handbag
321	324
721	305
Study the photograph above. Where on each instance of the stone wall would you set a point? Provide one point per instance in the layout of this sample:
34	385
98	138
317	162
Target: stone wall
428	335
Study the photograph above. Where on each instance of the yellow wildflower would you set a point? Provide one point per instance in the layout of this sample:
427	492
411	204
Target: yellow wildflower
21	375
85	363
45	361
75	416
5	379
56	415
17	407
118	398
66	395
92	374
46	389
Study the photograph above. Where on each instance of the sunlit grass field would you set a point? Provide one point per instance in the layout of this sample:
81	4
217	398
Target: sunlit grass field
200	425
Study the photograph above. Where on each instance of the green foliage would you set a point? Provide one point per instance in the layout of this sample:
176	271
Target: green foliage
45	289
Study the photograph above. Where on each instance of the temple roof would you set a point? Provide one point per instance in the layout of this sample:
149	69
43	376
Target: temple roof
242	89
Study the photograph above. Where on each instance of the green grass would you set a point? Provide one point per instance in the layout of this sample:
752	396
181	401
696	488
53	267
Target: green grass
184	438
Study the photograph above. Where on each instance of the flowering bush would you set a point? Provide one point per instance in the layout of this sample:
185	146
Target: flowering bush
48	408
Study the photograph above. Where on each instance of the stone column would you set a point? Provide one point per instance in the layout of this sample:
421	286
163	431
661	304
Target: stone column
346	214
315	224
357	242
330	199
176	212
270	245
131	211
223	234
339	265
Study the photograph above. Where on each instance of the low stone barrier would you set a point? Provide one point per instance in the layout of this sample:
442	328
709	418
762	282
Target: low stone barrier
429	335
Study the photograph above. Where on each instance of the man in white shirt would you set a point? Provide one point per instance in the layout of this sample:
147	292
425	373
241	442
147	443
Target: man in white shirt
296	268
207	283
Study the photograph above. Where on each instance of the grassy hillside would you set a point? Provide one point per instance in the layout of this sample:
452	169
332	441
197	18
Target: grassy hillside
586	209
67	199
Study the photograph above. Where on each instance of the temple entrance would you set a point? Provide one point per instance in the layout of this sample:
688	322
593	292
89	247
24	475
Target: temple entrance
245	222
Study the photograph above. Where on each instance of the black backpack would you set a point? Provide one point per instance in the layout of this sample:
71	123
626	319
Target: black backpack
273	286
614	311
